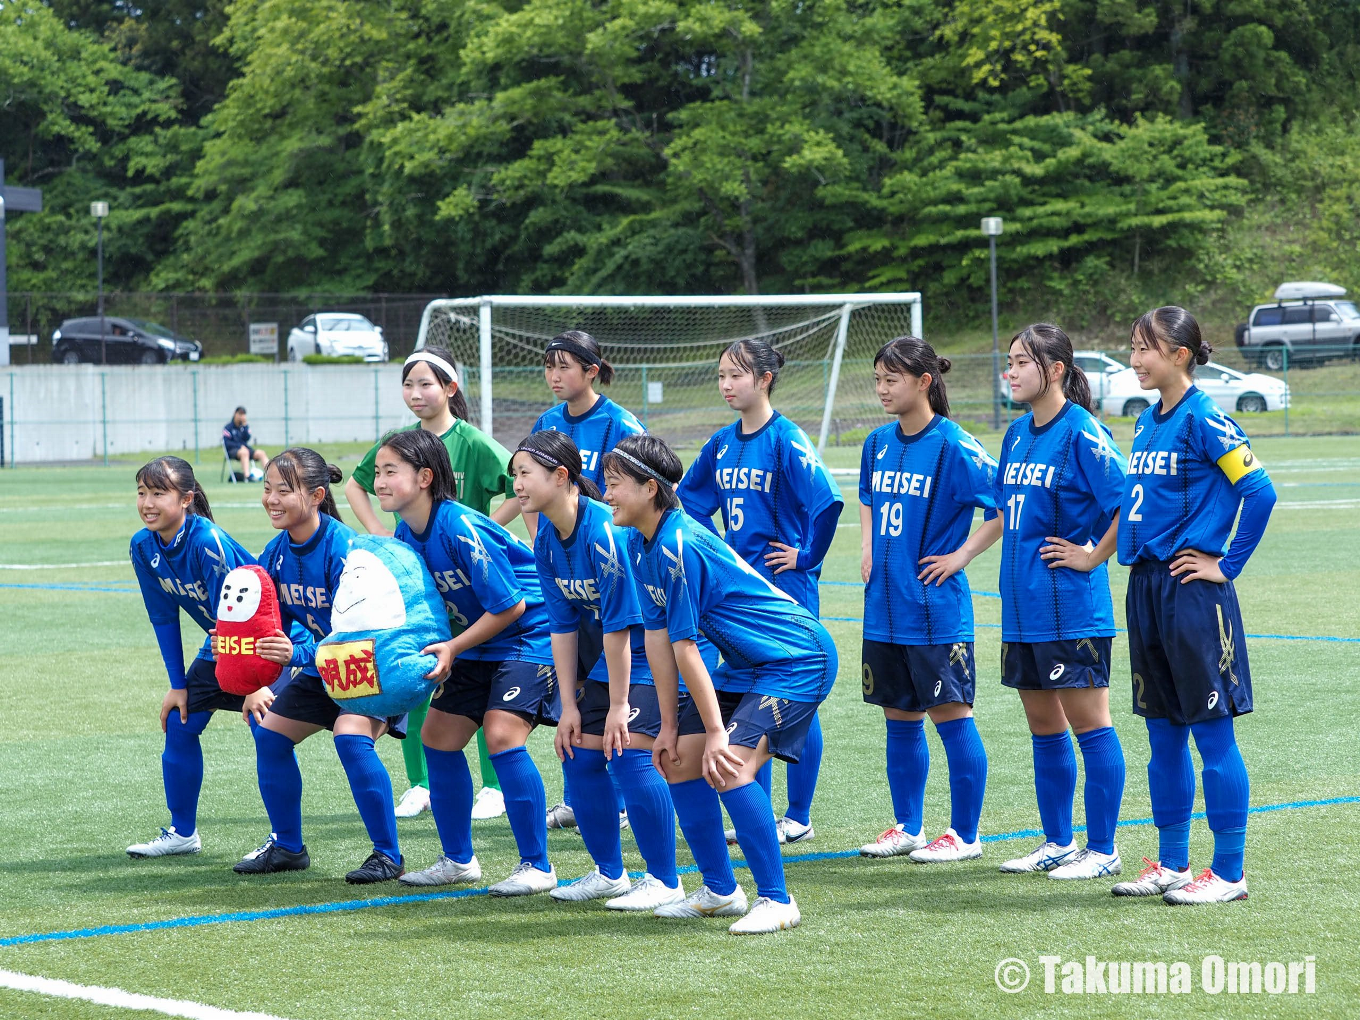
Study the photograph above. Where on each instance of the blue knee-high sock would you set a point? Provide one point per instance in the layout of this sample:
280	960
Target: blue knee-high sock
802	775
566	788
182	769
620	805
526	805
451	801
1104	760
372	789
597	816
1055	784
1226	792
908	767
650	811
1171	784
700	815
967	774
750	811
280	781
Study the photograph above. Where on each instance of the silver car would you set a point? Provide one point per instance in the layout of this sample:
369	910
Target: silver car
337	334
1308	322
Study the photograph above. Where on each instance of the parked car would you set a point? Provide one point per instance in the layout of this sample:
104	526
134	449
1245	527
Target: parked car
1307	323
1099	369
125	342
1229	389
337	334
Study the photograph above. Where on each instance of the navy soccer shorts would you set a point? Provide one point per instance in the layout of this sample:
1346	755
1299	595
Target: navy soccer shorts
1056	665
1187	647
914	678
644	715
475	687
304	699
748	717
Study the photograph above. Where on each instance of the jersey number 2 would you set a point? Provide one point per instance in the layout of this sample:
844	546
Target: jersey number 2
1135	511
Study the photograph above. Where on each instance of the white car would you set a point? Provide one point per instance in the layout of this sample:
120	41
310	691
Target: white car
1229	389
337	334
1100	368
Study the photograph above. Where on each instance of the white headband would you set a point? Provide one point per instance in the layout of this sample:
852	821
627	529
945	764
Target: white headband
436	361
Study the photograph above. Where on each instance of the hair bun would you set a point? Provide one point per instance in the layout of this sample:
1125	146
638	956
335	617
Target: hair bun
1206	351
334	473
944	365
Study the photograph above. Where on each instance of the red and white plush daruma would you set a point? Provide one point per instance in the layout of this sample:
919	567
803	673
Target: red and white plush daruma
247	611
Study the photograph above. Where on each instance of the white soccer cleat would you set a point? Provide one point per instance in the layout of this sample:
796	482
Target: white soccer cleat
1153	880
445	871
1044	857
525	880
490	803
413	802
623	819
703	902
648	893
168	844
893	843
594	886
1207	888
793	832
561	816
767	915
946	848
1088	863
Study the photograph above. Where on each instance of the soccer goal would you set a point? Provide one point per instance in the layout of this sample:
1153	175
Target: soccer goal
665	354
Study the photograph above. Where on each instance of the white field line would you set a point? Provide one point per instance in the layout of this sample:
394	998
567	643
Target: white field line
130	506
64	566
120	999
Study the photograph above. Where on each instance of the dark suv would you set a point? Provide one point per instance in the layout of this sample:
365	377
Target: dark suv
125	342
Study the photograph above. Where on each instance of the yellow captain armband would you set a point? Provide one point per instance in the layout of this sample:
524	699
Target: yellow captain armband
1239	462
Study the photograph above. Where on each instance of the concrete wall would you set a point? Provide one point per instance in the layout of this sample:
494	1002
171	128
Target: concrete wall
65	413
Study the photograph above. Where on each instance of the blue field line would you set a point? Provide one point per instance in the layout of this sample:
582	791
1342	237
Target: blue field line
342	906
73	587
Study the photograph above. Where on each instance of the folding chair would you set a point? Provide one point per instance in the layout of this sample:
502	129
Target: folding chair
228	472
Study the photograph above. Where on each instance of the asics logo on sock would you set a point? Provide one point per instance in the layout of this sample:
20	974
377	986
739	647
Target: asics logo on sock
511	694
1057	671
1213	699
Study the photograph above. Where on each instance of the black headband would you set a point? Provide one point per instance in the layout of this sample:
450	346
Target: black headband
650	472
546	459
576	349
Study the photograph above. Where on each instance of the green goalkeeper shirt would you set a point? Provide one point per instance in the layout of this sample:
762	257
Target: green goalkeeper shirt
479	465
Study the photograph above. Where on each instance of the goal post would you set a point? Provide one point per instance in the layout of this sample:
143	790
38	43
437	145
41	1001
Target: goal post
665	351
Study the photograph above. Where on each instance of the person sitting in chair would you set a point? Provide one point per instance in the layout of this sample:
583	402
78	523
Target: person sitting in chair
239	444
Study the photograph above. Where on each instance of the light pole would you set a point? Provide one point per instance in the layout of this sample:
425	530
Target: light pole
991	227
99	210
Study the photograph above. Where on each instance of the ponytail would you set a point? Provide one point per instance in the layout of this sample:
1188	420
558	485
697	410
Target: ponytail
756	356
913	356
306	470
555	450
175	473
1047	345
582	348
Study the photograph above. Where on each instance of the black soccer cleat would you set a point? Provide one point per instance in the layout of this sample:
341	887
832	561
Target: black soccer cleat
378	868
271	859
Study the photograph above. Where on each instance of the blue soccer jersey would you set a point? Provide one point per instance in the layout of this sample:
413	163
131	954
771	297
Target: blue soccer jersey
1063	479
186	574
595	433
479	567
306	576
770	486
921	491
588	587
693	585
1188	470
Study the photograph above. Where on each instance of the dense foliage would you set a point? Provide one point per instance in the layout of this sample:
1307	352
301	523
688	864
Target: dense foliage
1137	149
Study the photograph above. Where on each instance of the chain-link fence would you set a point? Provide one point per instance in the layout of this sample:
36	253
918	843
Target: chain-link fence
220	322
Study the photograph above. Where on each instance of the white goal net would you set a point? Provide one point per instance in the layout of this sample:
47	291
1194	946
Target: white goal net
665	355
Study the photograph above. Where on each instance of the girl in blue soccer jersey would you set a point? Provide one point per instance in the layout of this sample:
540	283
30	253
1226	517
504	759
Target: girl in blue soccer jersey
573	365
1059	482
780	507
1190	471
497	670
305	560
778	665
611	716
180	558
921	478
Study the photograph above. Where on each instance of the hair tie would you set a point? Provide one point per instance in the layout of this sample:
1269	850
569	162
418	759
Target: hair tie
436	361
644	468
572	347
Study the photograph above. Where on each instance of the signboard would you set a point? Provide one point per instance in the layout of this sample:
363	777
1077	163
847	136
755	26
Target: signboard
264	338
655	392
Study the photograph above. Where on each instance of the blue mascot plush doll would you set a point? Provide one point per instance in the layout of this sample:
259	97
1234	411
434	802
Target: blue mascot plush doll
385	610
